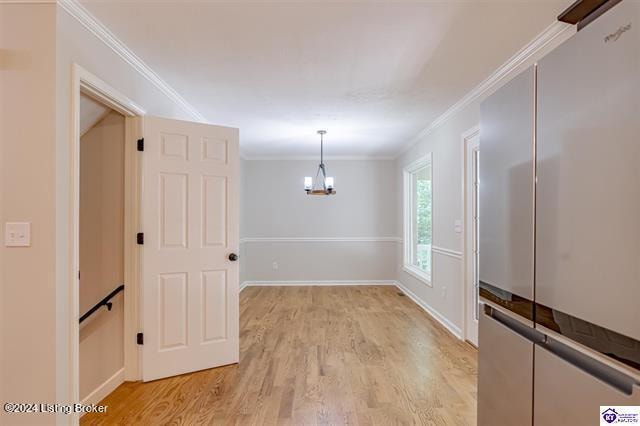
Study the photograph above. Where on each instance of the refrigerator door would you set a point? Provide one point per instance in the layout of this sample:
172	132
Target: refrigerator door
570	394
506	188
505	370
588	177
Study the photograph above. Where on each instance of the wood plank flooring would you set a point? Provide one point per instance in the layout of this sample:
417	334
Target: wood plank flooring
318	355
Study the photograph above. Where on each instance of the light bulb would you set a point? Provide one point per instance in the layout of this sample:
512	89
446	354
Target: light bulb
308	183
328	182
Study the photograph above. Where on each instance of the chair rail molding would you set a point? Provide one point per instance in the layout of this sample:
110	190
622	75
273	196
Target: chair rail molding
97	28
447	252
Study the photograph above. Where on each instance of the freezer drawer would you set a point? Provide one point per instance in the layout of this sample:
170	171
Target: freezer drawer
566	394
588	174
506	186
505	371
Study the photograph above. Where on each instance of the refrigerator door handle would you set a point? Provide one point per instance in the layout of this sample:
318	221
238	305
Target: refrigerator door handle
602	358
586	362
511	321
496	307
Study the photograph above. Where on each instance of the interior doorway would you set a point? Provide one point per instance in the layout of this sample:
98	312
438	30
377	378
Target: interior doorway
101	256
471	141
190	210
101	113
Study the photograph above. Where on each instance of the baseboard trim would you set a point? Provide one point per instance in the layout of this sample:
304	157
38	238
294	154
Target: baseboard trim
324	283
320	240
452	328
105	388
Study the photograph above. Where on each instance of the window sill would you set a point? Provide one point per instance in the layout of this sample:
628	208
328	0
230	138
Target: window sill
418	273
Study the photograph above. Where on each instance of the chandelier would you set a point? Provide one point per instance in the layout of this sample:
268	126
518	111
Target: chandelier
323	186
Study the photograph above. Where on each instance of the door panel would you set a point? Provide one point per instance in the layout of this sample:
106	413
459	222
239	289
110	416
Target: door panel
173	210
173	310
567	395
588	196
214	294
214	204
506	187
505	372
190	222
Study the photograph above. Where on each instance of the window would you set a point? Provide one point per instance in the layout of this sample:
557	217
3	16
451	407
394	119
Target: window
418	218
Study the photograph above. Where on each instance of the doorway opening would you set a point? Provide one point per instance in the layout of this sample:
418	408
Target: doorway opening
105	188
471	142
101	255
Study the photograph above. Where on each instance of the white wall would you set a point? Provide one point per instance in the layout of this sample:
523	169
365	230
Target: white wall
362	214
39	44
446	297
28	191
75	44
101	250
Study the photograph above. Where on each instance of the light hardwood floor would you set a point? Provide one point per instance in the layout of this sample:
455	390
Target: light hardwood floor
318	355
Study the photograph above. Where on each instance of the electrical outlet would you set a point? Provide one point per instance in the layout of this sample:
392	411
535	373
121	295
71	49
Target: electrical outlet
444	292
275	266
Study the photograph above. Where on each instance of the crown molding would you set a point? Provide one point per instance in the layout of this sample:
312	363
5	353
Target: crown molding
91	23
557	30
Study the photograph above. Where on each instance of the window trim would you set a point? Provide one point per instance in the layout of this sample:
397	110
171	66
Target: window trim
408	222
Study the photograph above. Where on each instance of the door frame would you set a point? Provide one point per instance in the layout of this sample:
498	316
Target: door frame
467	137
82	81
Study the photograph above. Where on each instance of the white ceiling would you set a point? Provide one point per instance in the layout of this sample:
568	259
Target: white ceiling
372	73
91	112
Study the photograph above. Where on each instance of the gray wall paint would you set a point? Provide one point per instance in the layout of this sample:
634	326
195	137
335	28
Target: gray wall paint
320	261
446	297
276	206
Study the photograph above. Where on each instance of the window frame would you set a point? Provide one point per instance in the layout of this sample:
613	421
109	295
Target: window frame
409	221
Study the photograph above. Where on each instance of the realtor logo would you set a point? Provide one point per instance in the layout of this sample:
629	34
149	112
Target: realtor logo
609	415
628	414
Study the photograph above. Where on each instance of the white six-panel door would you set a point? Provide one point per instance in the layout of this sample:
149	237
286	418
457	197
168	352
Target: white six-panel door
190	223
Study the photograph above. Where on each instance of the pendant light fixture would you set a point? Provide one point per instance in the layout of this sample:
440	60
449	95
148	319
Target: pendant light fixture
325	187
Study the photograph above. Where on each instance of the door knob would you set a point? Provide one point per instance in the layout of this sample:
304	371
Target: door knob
233	257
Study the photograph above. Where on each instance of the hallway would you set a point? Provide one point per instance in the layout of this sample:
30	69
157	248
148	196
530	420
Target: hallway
318	355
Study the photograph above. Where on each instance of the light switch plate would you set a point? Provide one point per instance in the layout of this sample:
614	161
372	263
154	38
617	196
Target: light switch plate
17	234
457	226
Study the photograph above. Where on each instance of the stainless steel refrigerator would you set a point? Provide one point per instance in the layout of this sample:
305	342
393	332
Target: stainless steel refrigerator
559	219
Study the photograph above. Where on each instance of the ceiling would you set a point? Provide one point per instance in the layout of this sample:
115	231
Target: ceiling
91	112
372	73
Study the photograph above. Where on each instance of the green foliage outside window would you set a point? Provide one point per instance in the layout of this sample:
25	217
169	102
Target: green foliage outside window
424	223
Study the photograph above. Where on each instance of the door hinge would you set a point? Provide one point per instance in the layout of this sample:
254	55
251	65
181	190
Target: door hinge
140	338
140	238
141	144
